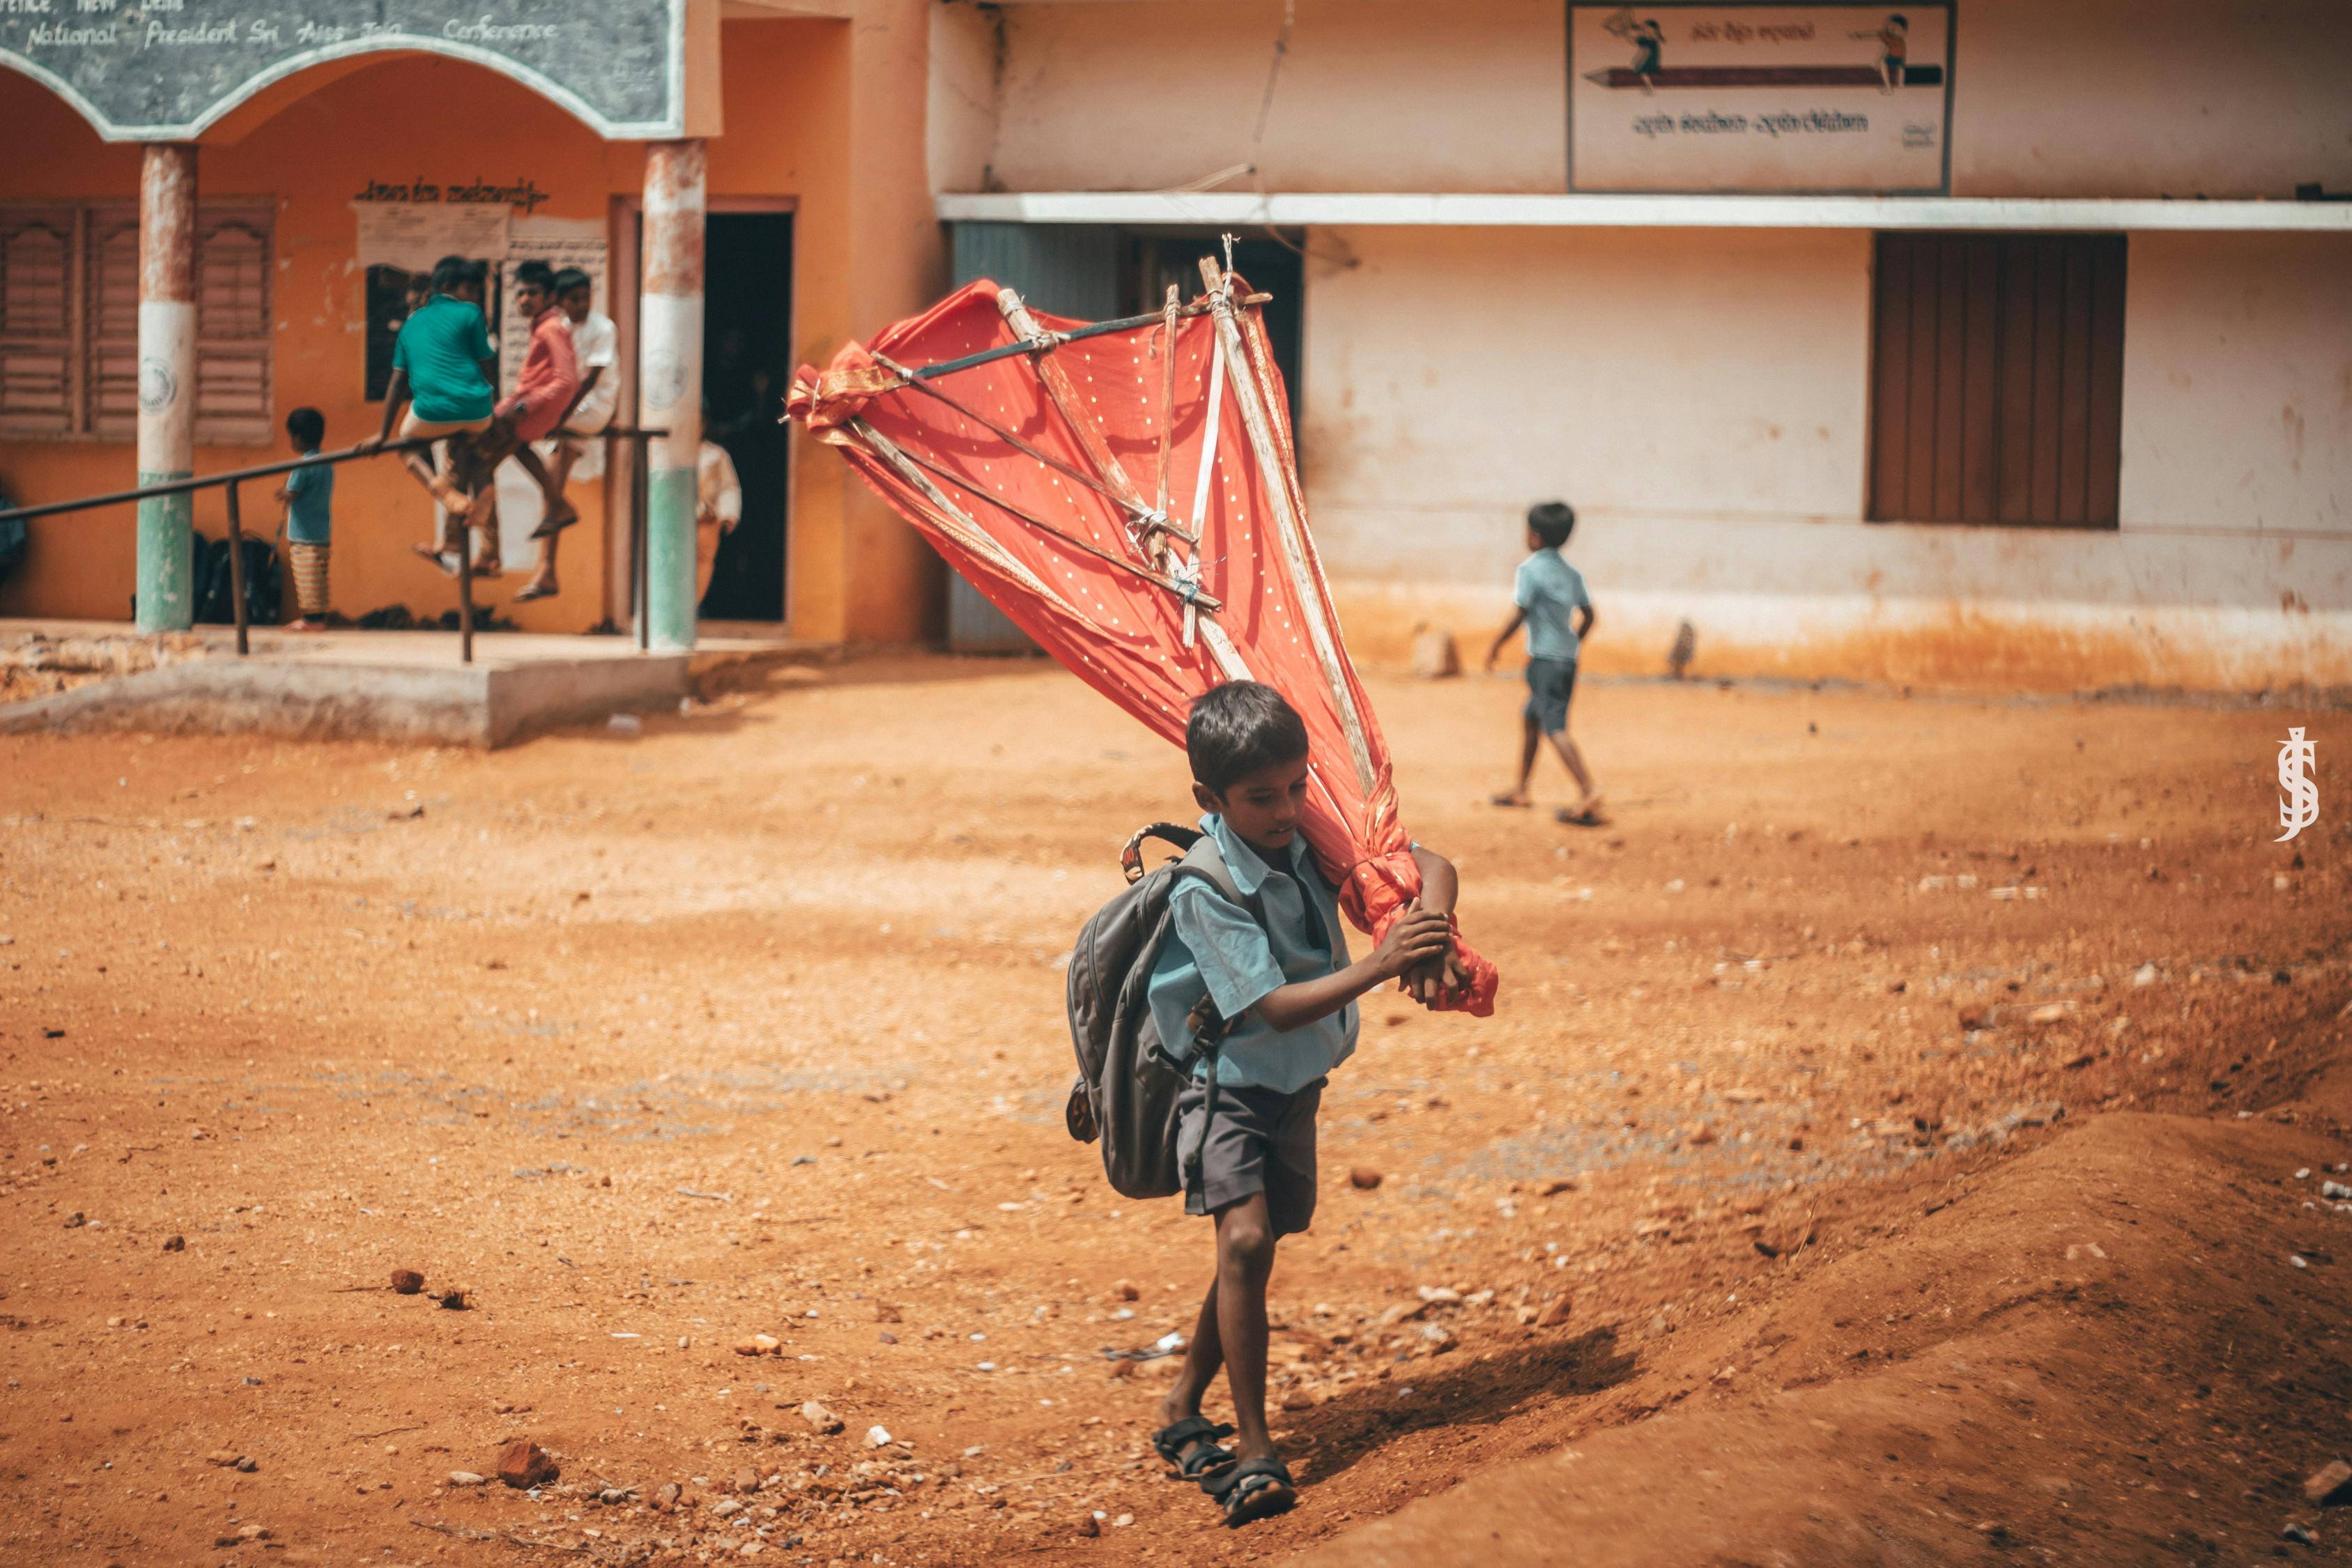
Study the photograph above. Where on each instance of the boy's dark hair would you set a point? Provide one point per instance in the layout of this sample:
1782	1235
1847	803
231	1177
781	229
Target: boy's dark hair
453	272
1551	522
306	426
1239	728
537	274
573	278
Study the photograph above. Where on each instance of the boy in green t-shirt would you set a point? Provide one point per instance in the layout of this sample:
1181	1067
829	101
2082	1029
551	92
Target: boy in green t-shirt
445	373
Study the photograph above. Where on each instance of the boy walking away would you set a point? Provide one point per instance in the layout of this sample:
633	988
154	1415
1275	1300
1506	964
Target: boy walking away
310	495
1546	591
443	370
575	450
1276	965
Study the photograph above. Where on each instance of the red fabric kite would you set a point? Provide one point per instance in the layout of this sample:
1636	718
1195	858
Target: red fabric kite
1128	494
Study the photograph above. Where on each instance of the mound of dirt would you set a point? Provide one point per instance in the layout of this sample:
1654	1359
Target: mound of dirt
2058	1344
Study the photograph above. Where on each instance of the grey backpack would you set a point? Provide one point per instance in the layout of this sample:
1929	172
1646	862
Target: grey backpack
1128	1085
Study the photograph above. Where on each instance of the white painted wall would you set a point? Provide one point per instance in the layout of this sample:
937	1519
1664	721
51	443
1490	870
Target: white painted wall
2238	384
1456	375
2121	98
1701	398
961	100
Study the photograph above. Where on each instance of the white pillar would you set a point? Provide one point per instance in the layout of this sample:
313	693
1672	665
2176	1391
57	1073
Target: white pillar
669	381
167	382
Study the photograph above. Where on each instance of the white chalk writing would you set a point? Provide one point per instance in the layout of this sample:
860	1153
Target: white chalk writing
488	32
159	35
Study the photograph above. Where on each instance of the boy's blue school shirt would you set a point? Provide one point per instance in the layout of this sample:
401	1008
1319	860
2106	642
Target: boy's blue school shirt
1214	945
309	505
1548	589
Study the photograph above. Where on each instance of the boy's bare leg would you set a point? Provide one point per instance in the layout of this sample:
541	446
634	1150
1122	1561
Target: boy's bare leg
550	492
1202	1358
436	484
1574	758
1244	1263
1529	734
542	583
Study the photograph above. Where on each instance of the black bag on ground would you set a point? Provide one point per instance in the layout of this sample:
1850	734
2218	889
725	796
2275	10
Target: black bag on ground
1127	1087
12	540
214	589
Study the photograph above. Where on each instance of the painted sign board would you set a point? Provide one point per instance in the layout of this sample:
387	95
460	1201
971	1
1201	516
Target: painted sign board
1844	98
162	70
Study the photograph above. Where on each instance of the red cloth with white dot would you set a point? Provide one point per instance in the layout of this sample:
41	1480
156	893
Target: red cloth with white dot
1119	631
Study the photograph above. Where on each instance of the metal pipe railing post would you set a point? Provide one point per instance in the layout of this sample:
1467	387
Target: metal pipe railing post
640	555
236	572
465	587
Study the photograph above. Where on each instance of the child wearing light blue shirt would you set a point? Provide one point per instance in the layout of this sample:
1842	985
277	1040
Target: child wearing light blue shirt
1275	965
1553	605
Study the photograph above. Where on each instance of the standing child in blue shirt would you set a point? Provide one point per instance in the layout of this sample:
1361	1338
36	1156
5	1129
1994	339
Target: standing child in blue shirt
1547	590
1280	969
310	497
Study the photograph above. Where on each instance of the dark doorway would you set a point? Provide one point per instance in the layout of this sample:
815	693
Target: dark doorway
747	366
1270	266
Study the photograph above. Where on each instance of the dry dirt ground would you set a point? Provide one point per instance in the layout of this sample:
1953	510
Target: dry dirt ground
1902	1139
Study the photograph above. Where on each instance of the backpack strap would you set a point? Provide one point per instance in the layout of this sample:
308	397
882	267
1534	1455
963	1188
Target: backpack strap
1206	861
1130	859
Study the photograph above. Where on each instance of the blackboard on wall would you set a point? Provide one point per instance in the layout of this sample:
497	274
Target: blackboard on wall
150	71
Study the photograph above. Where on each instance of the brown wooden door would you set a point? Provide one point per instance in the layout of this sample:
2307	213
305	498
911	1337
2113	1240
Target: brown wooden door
1996	378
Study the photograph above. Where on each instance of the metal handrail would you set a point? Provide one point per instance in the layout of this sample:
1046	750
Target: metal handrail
230	478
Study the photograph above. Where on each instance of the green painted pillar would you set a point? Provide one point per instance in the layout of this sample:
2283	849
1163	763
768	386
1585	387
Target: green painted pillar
669	383
167	384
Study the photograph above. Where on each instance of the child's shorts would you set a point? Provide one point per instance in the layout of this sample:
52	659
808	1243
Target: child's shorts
1263	1141
1550	683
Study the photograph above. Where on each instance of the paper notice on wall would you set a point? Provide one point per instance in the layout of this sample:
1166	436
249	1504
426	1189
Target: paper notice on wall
1759	97
412	236
561	242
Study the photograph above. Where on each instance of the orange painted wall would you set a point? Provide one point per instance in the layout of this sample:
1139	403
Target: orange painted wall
857	572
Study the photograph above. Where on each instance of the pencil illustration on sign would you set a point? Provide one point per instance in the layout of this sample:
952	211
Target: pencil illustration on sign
1752	98
1648	70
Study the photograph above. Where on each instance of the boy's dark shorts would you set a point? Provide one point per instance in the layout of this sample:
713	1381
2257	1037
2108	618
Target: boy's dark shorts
1263	1141
1550	683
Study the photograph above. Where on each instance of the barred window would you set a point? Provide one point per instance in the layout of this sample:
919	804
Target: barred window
70	321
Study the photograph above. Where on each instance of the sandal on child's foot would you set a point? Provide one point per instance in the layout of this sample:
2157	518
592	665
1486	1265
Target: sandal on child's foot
439	556
530	591
1253	1490
1191	1444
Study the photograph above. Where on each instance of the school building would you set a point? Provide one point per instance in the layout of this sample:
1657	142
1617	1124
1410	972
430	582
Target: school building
1989	341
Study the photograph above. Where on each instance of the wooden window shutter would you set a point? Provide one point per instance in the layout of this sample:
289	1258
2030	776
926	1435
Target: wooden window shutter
233	325
1996	378
113	302
37	362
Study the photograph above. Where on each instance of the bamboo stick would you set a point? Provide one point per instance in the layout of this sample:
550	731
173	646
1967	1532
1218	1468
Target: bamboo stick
957	524
1288	526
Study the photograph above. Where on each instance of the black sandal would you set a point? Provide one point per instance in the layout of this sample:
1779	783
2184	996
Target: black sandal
1252	1491
1191	1444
